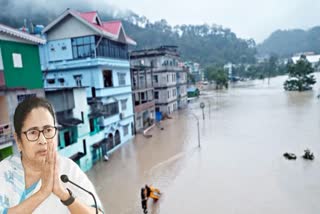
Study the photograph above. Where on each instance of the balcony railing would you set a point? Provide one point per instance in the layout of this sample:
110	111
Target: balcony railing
167	68
6	134
164	84
104	92
142	86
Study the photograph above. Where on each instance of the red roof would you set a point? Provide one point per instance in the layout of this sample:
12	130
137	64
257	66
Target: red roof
89	16
112	27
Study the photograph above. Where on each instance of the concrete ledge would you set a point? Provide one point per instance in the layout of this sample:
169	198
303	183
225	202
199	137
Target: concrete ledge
148	129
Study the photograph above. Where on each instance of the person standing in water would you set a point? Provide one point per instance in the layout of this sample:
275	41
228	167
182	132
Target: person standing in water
144	200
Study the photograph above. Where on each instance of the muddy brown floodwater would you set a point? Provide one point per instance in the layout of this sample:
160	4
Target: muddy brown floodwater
240	166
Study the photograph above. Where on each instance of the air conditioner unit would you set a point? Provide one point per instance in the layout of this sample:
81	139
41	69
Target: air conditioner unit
121	115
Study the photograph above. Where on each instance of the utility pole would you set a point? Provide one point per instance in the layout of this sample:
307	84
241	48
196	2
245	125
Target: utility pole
195	116
202	105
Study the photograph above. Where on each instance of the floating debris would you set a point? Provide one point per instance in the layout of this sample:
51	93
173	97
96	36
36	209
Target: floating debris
290	156
308	155
147	135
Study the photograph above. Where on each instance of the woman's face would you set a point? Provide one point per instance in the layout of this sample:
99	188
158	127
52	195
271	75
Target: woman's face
36	151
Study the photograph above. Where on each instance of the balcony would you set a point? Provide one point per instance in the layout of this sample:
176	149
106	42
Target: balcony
167	68
2	81
6	134
144	106
142	85
106	92
164	84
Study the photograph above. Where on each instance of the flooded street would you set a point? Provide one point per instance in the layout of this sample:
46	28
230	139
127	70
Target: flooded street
240	166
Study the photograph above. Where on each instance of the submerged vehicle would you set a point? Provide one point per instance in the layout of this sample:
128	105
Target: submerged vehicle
290	156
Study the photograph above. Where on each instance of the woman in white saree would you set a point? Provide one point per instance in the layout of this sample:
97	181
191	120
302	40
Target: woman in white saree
31	183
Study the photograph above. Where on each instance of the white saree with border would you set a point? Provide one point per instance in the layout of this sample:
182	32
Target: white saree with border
13	192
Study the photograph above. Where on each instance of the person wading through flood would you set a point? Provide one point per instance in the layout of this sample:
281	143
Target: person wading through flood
144	200
149	192
152	192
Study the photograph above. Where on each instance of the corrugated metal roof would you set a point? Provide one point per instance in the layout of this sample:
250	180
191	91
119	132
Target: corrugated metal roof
22	35
112	27
89	16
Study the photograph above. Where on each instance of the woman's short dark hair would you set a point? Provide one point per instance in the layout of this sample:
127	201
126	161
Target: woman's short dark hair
25	107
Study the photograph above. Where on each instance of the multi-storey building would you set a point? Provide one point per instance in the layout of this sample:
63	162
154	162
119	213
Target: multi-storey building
142	88
83	51
20	77
165	66
194	71
80	135
182	88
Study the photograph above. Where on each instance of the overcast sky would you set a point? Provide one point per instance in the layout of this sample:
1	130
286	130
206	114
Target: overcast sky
255	19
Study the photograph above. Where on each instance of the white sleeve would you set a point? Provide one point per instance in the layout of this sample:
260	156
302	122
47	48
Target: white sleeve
76	175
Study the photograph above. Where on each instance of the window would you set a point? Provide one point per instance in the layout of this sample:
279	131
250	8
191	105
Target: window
61	81
107	78
78	78
122	78
111	49
168	94
51	81
153	63
123	104
143	96
156	95
67	138
142	82
110	109
22	97
155	78
167	77
91	123
17	60
5	129
83	47
126	130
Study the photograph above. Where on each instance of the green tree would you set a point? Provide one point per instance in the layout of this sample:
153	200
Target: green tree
300	77
218	75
